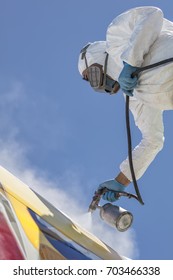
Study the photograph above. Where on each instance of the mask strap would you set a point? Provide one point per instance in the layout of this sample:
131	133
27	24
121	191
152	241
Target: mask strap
83	52
105	69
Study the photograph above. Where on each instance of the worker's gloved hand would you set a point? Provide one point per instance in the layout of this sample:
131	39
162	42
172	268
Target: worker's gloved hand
126	81
112	186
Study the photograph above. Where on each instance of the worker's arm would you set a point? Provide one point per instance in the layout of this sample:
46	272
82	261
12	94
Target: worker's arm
122	179
149	121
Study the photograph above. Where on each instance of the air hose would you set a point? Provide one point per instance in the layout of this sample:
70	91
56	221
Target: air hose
140	69
130	152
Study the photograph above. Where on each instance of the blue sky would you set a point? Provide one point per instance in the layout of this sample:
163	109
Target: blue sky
61	137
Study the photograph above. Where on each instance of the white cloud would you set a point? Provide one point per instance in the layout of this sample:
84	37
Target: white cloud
13	156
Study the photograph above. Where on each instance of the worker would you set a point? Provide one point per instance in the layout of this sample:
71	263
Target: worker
138	37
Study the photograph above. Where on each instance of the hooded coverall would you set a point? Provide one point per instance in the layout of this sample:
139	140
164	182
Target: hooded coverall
140	37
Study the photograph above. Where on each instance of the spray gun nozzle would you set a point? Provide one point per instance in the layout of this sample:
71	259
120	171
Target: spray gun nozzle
96	199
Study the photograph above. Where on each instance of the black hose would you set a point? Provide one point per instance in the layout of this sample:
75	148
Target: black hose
148	67
130	152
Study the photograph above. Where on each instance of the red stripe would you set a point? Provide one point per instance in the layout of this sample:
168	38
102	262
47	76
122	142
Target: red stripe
9	248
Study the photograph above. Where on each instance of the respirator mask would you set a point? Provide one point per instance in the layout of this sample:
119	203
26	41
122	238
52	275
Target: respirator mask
97	77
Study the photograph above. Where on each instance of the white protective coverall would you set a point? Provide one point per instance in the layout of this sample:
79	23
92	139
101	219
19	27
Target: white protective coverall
140	36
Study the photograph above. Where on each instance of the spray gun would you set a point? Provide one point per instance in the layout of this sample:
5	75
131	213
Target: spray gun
113	215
